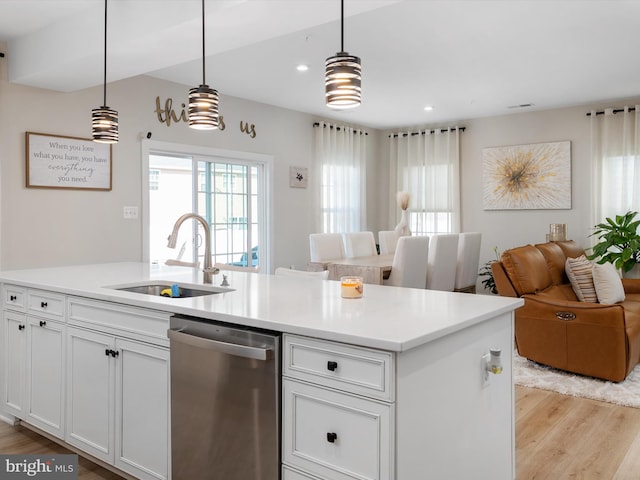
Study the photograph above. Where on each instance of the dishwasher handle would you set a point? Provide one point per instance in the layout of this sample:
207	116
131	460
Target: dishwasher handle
256	353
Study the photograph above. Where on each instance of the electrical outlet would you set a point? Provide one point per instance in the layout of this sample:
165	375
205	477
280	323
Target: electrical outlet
130	213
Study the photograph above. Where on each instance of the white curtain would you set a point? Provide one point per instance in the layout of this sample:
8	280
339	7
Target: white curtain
340	178
615	161
427	165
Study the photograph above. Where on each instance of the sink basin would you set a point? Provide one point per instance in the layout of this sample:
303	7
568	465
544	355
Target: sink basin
156	288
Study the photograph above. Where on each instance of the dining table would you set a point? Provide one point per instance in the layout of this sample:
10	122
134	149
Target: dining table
373	269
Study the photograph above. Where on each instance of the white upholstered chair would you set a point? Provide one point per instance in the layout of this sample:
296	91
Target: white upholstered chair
359	244
410	262
289	272
468	262
443	258
326	246
387	239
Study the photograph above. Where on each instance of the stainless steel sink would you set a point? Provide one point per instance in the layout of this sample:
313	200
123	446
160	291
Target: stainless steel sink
156	289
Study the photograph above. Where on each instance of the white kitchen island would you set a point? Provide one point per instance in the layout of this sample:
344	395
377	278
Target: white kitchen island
411	396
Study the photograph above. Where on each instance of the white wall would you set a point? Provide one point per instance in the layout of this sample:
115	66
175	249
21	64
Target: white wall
511	228
49	227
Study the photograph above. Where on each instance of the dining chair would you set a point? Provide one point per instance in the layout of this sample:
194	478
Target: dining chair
410	263
326	246
359	244
387	239
289	272
443	258
468	262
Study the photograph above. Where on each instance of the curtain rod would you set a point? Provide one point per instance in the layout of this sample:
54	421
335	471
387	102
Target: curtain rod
617	110
440	130
331	127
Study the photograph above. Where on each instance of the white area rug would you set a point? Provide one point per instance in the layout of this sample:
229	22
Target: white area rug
531	374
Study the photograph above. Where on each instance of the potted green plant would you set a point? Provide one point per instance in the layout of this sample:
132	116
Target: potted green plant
485	271
619	242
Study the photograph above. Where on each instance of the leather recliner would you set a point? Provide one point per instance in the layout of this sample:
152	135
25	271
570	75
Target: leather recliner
554	328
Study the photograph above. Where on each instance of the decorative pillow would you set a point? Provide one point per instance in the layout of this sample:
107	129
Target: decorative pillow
607	283
579	270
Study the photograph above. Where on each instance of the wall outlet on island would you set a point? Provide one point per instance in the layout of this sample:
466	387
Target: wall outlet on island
130	213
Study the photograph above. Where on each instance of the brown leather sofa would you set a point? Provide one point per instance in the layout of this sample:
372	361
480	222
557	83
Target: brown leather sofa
554	328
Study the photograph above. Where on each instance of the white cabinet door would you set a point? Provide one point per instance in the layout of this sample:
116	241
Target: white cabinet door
45	375
14	344
142	409
90	392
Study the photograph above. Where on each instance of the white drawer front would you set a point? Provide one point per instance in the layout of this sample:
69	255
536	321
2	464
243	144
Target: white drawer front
353	369
15	297
291	474
139	324
46	304
335	435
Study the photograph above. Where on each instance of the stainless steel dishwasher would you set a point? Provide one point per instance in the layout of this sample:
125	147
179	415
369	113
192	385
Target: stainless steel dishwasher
225	401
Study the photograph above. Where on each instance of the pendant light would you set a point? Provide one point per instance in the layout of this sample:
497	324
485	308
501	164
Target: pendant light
342	75
104	120
203	100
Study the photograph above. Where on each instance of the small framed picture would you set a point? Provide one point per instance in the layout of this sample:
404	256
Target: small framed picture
298	177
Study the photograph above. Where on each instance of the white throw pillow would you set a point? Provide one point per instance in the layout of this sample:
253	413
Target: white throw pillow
608	283
579	271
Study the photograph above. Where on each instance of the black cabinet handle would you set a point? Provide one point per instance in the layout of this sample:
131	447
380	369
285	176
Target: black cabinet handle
20	327
114	353
331	365
43	304
13	298
42	323
332	437
107	352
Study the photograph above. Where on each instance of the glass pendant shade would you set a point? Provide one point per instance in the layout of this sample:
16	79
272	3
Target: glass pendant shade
342	81
104	125
203	108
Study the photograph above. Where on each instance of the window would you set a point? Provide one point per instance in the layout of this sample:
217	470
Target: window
426	164
228	192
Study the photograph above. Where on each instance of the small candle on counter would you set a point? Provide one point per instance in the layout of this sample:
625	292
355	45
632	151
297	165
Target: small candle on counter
352	287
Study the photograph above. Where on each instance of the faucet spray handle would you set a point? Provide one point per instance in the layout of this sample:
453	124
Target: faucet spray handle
224	283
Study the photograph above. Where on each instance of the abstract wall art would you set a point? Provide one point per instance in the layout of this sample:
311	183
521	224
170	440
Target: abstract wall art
524	177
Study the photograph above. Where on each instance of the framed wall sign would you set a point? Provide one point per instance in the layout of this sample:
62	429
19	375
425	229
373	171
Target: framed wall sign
55	161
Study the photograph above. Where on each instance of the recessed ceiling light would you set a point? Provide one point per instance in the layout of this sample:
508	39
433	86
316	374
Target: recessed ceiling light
428	108
302	67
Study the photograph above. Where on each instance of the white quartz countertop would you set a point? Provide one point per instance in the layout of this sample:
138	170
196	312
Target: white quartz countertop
388	318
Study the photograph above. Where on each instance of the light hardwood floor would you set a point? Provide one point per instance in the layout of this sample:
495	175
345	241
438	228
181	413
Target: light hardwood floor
557	437
560	437
21	440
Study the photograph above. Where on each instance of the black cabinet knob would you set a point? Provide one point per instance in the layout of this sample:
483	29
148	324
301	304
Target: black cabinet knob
115	353
332	437
43	304
42	323
20	327
331	365
13	298
107	352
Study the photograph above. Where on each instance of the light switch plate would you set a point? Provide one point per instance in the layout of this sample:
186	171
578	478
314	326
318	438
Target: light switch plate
130	213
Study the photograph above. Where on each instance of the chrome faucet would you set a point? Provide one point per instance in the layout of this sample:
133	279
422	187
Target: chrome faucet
208	269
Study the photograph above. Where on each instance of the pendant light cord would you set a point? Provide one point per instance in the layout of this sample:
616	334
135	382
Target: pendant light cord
342	25
203	79
104	83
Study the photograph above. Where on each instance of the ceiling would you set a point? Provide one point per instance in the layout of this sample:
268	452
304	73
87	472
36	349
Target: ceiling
466	58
